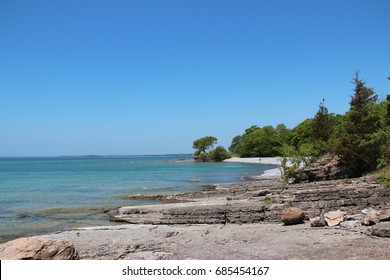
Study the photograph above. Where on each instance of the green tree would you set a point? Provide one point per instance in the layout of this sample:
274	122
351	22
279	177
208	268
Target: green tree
363	96
219	154
388	110
283	134
260	141
237	145
203	144
321	131
359	142
301	134
322	126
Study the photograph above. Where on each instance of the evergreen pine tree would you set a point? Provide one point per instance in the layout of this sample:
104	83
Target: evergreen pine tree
357	147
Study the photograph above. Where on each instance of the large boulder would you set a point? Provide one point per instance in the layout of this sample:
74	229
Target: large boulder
334	218
292	216
33	248
329	168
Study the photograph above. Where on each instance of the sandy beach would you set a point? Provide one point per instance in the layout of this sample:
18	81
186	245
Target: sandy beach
271	173
256	160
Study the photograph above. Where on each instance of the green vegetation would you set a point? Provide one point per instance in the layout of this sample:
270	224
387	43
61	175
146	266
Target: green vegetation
268	200
219	154
385	180
360	137
204	153
383	176
201	145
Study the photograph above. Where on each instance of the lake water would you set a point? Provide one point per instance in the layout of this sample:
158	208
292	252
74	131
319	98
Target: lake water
39	195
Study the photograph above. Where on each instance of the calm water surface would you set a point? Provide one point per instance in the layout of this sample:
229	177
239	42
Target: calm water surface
40	195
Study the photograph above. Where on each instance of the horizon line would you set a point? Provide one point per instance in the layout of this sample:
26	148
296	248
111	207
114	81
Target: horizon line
97	155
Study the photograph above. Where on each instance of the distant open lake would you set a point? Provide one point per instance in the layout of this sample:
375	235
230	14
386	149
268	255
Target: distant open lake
40	195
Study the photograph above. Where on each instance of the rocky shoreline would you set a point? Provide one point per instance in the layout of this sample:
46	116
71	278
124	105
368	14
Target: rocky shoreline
243	221
258	201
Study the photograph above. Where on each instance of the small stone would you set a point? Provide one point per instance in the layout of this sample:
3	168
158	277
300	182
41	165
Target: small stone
317	222
384	215
381	230
334	218
371	218
262	193
292	216
367	222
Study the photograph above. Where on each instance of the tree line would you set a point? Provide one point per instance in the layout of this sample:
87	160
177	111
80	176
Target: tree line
360	137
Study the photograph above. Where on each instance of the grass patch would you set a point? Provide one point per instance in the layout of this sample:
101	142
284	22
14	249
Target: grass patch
268	200
385	180
383	176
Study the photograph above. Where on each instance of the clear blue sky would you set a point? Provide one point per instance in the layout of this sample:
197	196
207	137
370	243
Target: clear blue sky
145	77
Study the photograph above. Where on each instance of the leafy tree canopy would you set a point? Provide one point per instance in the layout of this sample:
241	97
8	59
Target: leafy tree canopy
361	137
203	144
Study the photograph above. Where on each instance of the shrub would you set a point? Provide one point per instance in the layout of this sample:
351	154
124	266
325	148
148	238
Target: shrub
219	154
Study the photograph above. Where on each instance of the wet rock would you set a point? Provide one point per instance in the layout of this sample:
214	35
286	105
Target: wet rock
34	248
334	218
381	229
292	216
22	216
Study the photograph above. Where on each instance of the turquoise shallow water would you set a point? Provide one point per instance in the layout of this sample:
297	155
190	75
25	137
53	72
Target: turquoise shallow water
40	195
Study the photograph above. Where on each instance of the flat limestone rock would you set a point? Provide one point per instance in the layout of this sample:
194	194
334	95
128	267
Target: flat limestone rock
34	248
334	218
